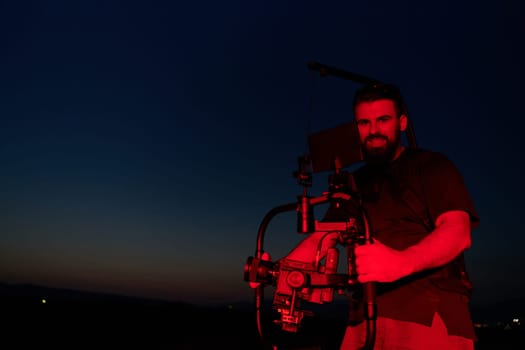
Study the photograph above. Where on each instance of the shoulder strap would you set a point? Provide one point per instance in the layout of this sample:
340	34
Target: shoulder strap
415	203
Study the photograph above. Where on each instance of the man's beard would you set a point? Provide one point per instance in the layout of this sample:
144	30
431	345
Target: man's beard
380	155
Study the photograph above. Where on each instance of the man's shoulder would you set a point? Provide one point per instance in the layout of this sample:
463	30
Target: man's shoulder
424	162
422	152
425	155
411	158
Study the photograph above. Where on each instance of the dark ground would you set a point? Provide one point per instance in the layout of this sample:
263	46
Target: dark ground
77	320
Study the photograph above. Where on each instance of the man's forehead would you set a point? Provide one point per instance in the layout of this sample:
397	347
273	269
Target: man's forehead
375	109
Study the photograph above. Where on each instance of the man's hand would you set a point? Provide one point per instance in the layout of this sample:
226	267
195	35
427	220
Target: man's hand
379	263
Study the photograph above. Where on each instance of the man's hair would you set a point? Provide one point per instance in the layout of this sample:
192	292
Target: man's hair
381	91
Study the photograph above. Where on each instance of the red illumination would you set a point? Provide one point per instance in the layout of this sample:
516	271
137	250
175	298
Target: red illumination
295	279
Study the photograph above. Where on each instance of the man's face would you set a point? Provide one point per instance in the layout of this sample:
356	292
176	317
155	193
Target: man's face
379	130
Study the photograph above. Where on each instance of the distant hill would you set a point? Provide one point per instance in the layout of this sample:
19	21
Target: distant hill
76	319
71	319
29	294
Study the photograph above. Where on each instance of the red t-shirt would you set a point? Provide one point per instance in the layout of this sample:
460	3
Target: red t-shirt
401	200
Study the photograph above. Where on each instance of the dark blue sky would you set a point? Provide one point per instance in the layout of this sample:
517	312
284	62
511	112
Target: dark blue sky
142	143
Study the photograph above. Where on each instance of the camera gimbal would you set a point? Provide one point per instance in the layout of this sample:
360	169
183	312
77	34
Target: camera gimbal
313	282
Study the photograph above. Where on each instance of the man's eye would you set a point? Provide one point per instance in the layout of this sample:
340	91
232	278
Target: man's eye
362	122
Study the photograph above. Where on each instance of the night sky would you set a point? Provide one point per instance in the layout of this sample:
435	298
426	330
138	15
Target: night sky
142	142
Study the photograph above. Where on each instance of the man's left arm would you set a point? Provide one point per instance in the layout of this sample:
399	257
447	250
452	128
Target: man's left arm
380	263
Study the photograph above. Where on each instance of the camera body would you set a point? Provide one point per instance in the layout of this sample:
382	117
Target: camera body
296	282
300	281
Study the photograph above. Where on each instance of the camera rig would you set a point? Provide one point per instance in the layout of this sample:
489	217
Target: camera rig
316	282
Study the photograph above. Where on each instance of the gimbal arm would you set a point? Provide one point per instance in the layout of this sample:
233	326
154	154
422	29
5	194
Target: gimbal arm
259	290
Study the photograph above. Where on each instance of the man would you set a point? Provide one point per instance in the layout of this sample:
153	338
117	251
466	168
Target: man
421	216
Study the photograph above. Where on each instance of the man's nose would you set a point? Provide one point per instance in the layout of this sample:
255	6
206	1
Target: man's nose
373	128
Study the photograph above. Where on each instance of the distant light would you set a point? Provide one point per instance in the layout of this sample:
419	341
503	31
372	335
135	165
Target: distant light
44	301
516	320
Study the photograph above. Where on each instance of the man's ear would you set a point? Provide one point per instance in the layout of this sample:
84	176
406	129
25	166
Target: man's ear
403	122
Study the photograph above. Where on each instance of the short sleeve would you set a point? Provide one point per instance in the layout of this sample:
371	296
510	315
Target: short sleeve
444	188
